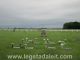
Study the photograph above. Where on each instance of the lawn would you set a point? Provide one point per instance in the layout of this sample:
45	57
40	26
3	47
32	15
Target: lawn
71	47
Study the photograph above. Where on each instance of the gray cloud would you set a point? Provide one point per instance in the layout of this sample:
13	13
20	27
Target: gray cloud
39	12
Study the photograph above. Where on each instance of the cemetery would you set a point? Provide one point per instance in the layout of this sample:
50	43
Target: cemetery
40	42
26	43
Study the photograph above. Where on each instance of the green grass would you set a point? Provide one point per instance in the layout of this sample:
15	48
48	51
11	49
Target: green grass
7	37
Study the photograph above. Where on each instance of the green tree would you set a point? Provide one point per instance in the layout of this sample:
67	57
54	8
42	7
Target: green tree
71	25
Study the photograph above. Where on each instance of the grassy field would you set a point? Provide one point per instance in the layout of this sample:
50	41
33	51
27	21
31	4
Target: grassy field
72	40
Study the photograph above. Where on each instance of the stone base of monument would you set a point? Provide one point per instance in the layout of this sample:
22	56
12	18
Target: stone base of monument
29	48
16	47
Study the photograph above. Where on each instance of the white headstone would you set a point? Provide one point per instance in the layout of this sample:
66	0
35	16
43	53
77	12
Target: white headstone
16	47
47	39
51	47
44	39
26	38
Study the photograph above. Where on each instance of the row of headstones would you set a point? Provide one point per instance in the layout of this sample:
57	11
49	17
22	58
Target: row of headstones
60	43
12	45
26	42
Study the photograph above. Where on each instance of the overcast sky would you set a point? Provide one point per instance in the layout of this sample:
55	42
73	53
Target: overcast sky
38	13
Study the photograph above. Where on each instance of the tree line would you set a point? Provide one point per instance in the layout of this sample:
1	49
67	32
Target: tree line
71	25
